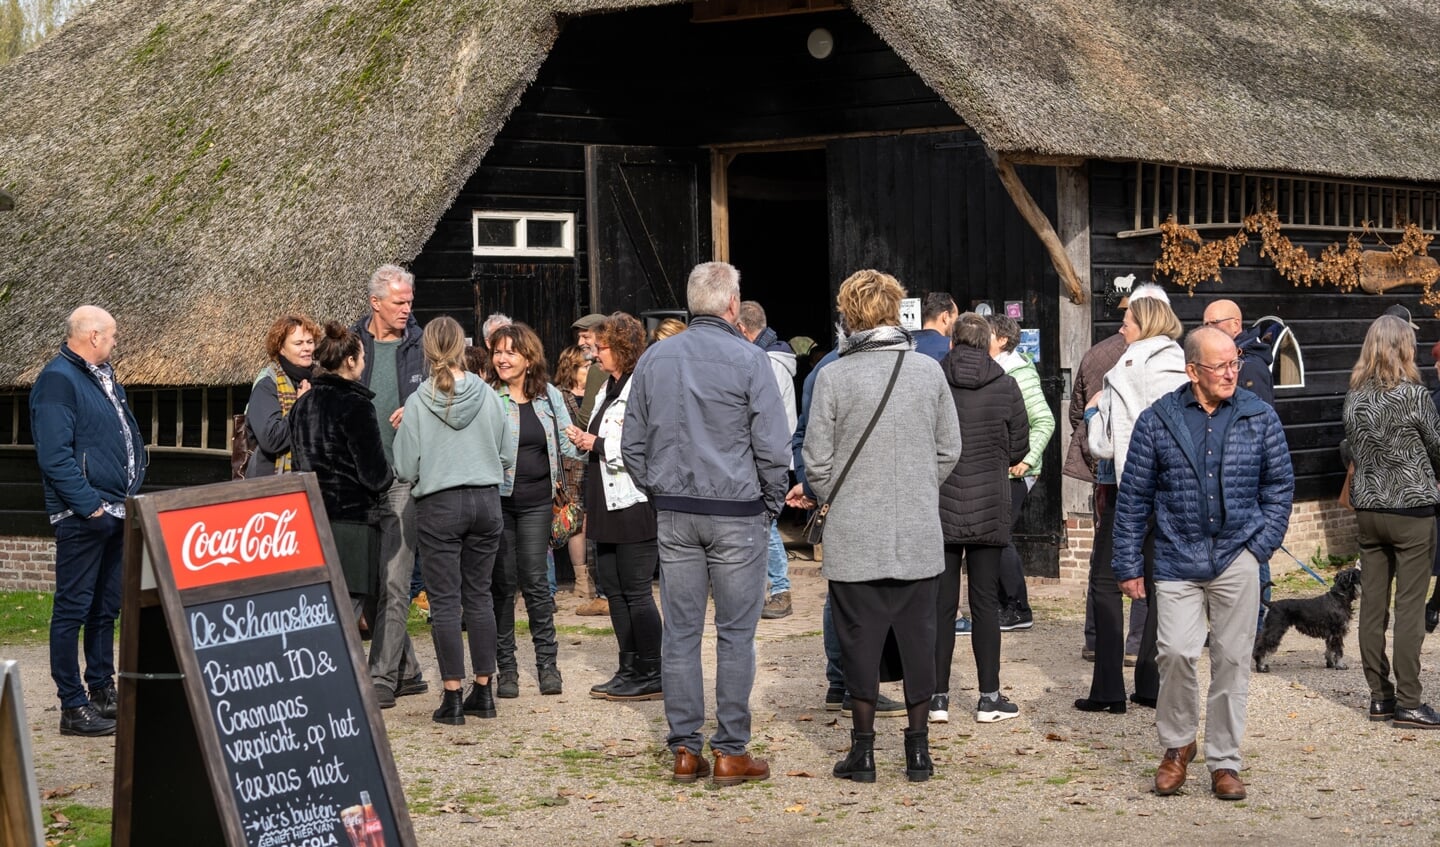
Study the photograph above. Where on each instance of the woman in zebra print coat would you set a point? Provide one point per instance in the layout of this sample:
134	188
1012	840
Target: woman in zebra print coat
1394	434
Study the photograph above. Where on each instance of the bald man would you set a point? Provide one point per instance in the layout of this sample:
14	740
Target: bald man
1255	354
92	458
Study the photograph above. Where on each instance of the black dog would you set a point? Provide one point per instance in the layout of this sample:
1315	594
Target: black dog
1326	616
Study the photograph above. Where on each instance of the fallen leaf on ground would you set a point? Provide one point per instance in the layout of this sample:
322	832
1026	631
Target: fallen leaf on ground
806	774
798	807
1051	736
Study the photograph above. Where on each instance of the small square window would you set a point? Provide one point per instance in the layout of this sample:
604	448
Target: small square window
524	233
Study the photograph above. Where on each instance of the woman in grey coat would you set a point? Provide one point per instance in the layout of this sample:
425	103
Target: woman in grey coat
884	550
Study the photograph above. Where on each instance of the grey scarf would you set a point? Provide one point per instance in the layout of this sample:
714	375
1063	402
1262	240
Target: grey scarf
878	338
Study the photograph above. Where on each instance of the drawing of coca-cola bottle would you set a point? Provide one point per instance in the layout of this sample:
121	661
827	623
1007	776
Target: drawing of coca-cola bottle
374	829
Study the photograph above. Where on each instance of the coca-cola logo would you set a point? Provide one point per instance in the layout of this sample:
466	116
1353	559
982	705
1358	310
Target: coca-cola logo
266	535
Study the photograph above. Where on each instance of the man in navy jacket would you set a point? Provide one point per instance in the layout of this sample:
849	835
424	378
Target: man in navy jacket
91	458
1210	464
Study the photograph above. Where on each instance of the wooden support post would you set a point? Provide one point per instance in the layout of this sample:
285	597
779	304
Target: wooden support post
1032	214
720	204
1072	220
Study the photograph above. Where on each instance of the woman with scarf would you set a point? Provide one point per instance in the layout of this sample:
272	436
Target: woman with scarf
884	550
621	520
290	347
536	411
1152	365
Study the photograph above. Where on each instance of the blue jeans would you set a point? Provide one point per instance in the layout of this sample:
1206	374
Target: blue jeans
88	558
521	569
701	555
777	565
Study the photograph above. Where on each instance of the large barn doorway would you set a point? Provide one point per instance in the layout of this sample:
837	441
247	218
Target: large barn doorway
779	238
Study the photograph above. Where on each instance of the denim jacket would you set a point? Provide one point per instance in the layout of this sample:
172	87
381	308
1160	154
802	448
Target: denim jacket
553	416
620	488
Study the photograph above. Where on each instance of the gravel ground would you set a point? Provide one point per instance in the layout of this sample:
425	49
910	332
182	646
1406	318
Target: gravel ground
570	770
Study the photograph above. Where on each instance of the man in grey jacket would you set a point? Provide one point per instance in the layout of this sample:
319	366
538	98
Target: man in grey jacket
706	438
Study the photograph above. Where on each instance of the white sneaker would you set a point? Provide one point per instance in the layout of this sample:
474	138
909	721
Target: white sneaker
940	708
994	709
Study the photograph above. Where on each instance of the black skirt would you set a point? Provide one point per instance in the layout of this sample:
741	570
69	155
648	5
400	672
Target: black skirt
886	616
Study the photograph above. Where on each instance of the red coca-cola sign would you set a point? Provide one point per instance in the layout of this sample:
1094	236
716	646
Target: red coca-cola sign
241	539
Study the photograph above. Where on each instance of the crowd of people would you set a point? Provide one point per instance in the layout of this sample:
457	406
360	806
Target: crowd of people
684	444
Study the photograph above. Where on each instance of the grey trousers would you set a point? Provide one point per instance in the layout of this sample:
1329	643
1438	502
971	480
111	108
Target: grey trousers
701	555
1398	549
392	656
1231	599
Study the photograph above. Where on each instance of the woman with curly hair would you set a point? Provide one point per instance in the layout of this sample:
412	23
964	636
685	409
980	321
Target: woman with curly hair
290	347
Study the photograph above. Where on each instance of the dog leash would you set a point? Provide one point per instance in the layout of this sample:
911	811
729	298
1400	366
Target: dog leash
1304	567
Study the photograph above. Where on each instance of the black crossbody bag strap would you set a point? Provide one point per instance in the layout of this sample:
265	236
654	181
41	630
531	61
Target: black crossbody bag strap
865	436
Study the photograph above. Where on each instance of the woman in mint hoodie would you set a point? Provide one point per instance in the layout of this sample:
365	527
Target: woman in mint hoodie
451	448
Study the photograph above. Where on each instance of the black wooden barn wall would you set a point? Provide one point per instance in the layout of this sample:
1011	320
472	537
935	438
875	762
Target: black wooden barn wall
651	78
1329	325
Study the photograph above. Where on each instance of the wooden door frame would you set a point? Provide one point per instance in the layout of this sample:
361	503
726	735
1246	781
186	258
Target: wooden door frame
721	155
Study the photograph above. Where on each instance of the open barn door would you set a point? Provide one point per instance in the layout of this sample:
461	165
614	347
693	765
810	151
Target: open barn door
648	224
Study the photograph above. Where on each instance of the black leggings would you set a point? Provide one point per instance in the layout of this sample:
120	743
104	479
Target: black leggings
983	563
1013	591
624	572
1107	684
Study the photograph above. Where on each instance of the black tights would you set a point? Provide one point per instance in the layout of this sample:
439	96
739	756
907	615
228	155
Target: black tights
862	714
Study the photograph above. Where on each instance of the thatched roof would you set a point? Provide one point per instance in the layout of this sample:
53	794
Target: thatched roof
197	166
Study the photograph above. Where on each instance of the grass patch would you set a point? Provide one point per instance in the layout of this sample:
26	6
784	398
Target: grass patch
25	616
77	826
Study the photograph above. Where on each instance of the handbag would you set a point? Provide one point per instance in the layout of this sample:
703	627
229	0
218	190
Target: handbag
566	516
242	446
815	528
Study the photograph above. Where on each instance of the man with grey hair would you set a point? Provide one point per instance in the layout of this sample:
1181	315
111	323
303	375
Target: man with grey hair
706	439
394	368
1210	537
753	324
92	457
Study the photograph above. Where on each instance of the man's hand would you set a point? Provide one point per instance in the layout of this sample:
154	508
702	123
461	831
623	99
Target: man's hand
795	498
395	417
1133	588
97	513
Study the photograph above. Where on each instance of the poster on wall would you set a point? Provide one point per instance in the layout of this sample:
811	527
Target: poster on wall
1029	345
910	313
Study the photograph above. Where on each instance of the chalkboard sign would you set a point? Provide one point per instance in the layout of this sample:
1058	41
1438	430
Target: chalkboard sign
236	623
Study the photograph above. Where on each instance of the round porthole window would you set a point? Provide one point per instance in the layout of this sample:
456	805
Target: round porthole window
820	43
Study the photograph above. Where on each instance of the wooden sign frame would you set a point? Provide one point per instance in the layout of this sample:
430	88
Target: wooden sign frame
19	792
172	779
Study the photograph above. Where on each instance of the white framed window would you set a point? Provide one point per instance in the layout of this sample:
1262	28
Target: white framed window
523	233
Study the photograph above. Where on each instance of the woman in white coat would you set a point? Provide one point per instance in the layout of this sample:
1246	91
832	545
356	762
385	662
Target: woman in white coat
1152	365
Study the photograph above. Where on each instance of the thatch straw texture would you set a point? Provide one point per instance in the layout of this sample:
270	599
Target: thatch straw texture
199	166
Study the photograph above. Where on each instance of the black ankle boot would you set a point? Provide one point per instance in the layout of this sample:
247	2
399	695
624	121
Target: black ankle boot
481	700
627	662
452	708
918	767
859	764
642	683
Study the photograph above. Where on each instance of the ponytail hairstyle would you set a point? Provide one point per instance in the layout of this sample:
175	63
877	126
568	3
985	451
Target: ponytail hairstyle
336	344
444	346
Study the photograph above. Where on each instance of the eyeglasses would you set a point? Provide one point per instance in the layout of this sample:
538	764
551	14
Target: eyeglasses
1223	367
599	347
1219	321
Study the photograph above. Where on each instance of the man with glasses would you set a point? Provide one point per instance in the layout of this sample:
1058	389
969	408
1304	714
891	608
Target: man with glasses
1255	354
1209	461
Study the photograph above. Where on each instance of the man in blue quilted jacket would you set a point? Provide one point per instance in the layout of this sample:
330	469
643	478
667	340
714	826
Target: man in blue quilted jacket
1209	464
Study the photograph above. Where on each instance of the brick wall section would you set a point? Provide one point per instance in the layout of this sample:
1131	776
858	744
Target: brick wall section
1313	523
27	564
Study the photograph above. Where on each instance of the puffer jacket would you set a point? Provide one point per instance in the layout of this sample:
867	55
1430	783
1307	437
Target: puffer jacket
1162	475
1394	441
994	434
1256	360
1042	420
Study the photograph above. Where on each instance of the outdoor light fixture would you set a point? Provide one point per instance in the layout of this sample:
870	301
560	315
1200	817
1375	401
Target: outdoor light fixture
820	43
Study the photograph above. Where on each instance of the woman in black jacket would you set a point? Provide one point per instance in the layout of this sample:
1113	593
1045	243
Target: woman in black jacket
333	432
975	505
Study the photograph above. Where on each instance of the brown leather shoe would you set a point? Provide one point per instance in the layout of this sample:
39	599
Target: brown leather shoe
1171	773
689	766
733	770
1227	785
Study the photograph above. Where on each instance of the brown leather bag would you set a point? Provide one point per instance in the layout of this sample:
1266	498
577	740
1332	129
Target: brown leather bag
242	446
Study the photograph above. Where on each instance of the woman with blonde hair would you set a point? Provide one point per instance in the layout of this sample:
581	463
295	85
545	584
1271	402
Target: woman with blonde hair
667	328
881	437
451	448
290	348
1152	365
1394	435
